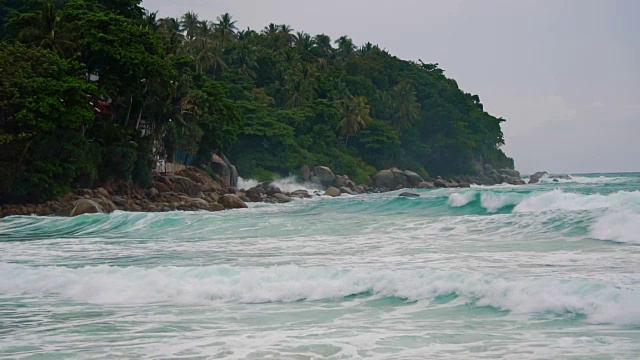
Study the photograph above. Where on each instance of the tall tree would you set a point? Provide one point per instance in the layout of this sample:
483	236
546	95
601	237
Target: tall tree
226	27
44	33
354	116
407	107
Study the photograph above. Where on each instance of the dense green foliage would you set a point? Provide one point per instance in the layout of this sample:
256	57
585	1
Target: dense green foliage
181	89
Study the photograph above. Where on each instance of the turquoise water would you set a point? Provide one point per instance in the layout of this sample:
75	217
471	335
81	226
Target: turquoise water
530	272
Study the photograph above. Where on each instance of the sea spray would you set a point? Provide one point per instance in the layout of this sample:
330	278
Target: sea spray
287	184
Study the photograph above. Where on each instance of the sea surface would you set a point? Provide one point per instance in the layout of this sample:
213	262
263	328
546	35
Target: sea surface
545	271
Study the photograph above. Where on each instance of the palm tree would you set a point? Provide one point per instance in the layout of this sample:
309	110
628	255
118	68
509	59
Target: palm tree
226	27
286	34
300	86
151	18
190	25
323	46
354	116
407	107
345	46
244	58
171	34
44	33
305	44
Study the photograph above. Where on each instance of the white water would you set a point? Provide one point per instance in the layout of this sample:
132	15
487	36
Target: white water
288	184
546	271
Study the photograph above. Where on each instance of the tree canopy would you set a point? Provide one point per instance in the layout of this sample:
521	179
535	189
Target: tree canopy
110	87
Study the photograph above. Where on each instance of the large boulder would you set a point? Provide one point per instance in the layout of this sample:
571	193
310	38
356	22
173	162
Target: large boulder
280	198
301	194
332	191
86	206
440	183
510	172
306	173
340	181
413	178
384	179
346	190
325	175
226	172
390	179
181	184
535	178
256	193
426	185
231	201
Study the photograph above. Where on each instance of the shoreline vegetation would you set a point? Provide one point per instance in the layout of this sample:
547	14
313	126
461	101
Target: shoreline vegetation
105	106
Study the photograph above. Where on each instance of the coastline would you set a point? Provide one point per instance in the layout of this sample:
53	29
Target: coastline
192	189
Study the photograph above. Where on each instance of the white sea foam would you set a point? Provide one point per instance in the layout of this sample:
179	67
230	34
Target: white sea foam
584	179
246	183
461	199
496	201
617	225
560	200
601	303
288	184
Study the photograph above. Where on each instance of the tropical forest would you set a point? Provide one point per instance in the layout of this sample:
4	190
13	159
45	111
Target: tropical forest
93	91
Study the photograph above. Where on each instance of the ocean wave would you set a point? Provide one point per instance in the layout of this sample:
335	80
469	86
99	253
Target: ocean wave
617	225
599	302
560	200
489	201
461	199
585	179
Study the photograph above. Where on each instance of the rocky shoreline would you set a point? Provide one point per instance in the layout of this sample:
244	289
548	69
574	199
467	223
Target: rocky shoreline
193	189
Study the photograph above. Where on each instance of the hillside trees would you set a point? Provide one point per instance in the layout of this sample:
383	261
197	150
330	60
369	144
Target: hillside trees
181	88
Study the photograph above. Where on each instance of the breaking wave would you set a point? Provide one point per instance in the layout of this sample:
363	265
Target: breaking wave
599	302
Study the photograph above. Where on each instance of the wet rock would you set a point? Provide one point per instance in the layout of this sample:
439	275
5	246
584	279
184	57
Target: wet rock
426	185
408	194
346	190
301	194
332	191
340	181
185	185
440	183
118	201
281	198
101	192
535	178
232	201
413	178
325	175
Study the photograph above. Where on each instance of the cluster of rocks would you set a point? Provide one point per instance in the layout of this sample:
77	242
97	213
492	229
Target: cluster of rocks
536	177
191	189
395	179
487	175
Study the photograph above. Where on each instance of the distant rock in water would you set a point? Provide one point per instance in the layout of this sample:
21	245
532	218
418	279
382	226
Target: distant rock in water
408	194
535	178
560	177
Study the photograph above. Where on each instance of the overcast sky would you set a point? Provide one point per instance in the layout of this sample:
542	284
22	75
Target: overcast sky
564	74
